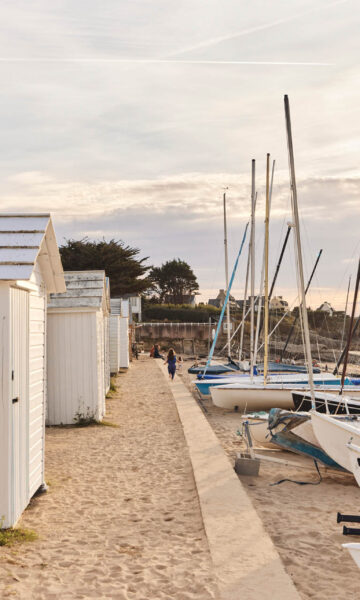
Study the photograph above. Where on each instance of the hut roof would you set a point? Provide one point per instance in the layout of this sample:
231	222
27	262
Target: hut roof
26	239
84	289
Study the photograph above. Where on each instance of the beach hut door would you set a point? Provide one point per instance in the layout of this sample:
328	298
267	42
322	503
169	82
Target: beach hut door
19	300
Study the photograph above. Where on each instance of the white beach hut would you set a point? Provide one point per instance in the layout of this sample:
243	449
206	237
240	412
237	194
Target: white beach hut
122	308
30	267
107	337
114	343
77	326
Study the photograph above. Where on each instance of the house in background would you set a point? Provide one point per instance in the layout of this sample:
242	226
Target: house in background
326	308
218	302
278	303
187	299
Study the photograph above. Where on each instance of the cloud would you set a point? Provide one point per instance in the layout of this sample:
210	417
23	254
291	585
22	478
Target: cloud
181	216
251	30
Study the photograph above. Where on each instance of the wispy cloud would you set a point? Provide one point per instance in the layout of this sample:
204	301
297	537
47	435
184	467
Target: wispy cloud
157	61
250	30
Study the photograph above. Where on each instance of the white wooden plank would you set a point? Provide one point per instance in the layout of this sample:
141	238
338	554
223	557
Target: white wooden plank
20	239
15	272
24	223
80	293
74	302
84	275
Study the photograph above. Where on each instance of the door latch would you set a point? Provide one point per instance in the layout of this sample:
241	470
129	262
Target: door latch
15	400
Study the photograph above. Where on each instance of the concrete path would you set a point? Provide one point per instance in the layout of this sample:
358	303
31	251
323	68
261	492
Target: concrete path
245	559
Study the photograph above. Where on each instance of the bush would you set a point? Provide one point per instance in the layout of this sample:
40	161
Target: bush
179	312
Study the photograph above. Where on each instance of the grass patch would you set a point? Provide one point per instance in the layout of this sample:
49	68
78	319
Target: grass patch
9	537
113	388
108	424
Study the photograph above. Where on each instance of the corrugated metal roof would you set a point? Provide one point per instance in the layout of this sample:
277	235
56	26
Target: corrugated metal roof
24	240
84	289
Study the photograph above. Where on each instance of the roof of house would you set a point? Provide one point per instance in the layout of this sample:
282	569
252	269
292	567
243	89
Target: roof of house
84	289
26	239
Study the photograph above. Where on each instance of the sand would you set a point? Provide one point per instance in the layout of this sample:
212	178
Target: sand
121	519
301	520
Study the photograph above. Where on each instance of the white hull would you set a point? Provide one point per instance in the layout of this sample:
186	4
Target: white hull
247	398
354	550
252	399
333	436
354	456
258	426
306	432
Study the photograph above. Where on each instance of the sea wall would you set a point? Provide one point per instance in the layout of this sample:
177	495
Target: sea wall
185	338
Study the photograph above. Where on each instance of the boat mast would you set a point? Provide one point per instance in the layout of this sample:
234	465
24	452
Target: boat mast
226	276
258	319
266	300
351	328
252	270
346	306
298	246
297	316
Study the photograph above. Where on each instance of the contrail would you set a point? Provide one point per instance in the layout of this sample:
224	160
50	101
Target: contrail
154	61
255	29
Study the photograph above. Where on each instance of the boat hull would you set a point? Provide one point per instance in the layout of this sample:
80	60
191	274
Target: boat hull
214	369
354	550
297	381
258	427
251	399
333	436
354	456
303	402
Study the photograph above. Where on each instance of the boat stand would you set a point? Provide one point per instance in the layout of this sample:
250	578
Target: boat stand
350	519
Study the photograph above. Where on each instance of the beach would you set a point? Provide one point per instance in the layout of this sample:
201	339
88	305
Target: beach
300	519
121	518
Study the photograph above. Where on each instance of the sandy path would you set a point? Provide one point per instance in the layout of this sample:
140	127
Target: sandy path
301	520
122	518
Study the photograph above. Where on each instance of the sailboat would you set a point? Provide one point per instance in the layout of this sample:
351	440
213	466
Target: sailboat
244	396
262	393
293	431
334	435
230	365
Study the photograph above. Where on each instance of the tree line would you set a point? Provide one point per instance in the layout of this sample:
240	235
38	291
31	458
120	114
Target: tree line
174	281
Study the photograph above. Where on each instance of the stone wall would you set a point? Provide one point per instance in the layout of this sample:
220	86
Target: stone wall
185	338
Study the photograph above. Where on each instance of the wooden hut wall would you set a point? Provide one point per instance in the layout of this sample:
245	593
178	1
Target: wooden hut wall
75	366
124	342
114	321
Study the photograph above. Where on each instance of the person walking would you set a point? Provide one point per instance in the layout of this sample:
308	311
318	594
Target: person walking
171	363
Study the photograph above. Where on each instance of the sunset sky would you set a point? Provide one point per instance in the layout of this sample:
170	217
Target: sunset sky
128	119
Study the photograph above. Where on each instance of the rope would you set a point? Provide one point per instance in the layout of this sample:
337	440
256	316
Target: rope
301	482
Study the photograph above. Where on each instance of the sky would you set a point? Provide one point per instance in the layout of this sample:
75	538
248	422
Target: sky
129	119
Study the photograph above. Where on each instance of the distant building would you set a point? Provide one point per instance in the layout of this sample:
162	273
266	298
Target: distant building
187	299
218	302
278	303
326	308
256	303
